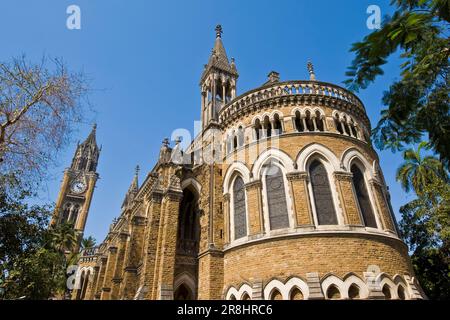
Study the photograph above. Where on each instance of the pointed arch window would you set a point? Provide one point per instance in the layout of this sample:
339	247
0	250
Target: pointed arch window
298	122
258	129
276	198
323	199
363	197
240	216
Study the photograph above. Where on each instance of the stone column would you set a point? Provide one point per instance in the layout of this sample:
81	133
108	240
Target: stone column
91	294
118	269
315	290
109	273
289	125
344	184
226	217
167	252
101	278
133	257
59	201
300	199
254	207
382	206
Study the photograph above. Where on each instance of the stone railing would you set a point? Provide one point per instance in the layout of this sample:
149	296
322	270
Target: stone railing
298	88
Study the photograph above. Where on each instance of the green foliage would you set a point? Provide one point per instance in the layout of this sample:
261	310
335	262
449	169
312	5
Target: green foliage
425	226
417	171
419	102
88	242
32	257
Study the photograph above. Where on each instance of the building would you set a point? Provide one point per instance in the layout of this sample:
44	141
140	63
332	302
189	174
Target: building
77	187
279	197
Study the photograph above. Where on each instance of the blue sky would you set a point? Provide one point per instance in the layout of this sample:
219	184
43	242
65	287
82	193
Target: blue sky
145	59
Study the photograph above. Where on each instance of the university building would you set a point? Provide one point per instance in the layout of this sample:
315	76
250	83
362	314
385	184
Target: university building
280	196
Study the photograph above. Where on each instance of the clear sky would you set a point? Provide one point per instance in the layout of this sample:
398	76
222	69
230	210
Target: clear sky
145	59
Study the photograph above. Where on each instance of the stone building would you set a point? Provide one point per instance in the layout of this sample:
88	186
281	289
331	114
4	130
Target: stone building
279	197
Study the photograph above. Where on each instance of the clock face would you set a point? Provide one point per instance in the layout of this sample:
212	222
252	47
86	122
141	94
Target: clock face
78	186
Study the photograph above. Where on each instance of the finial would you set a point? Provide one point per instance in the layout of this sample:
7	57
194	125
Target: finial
137	170
219	31
312	75
177	140
166	142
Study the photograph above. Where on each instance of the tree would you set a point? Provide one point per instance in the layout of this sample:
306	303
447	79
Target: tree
417	171
39	106
88	242
419	102
425	226
31	266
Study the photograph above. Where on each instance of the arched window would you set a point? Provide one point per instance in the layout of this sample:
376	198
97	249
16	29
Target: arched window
333	292
401	293
240	136
320	121
296	294
245	297
298	122
277	128
353	129
235	142
276	198
346	126
338	124
276	295
309	122
267	126
387	292
258	129
363	197
66	213
75	213
232	297
240	217
353	292
323	200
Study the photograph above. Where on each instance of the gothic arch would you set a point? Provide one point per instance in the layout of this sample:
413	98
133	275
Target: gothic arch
316	149
332	280
187	280
236	167
286	288
238	294
275	154
193	183
350	155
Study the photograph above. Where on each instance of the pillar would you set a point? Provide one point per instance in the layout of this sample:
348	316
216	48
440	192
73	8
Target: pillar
109	273
254	207
299	193
118	269
344	184
382	206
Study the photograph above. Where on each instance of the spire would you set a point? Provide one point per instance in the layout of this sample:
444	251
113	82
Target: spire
86	156
219	58
312	75
132	190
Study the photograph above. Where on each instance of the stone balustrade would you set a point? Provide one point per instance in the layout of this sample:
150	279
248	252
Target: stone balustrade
299	88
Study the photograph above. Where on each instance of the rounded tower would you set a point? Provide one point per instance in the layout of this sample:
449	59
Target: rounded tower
307	212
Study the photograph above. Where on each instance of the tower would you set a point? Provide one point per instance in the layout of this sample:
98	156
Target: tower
77	188
218	82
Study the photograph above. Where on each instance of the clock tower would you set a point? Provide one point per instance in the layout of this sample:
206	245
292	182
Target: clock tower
77	187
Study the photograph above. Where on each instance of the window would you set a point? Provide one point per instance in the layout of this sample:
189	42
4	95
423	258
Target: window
401	292
240	217
353	292
363	197
387	292
276	198
309	122
338	124
276	295
298	122
319	121
277	125
267	126
333	292
240	136
323	200
258	129
296	294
